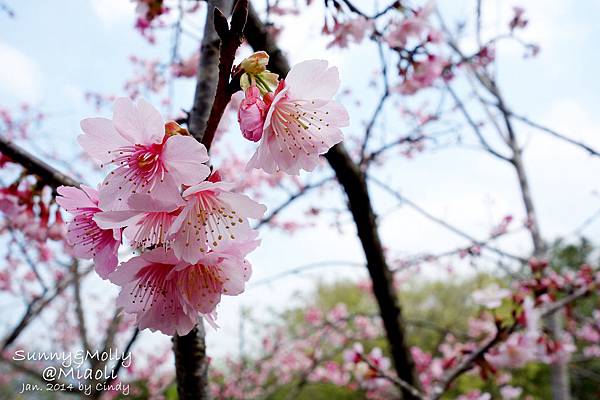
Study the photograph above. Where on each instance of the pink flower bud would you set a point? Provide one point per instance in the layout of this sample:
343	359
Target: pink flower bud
251	114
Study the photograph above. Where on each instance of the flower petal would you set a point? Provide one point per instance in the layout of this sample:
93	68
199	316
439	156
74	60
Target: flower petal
184	158
140	124
100	138
312	79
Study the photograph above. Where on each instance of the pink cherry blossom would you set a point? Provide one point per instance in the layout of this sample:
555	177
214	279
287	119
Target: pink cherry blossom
251	114
303	121
146	221
423	74
515	352
86	237
413	27
171	296
150	290
148	159
352	30
212	216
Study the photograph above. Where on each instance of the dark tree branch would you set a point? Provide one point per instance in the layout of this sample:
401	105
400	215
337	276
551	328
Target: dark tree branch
49	175
353	182
231	39
207	77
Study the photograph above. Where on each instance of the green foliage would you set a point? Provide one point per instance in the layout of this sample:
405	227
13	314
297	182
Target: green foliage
433	309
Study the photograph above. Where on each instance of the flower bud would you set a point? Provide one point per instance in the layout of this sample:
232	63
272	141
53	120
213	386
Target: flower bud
256	63
252	113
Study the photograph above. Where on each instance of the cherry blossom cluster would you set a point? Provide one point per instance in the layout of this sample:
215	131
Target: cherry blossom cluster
191	230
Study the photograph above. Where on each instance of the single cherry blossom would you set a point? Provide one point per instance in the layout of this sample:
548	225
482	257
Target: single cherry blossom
149	158
86	237
211	216
302	121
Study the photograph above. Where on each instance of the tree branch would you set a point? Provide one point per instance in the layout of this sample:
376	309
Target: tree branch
353	182
50	176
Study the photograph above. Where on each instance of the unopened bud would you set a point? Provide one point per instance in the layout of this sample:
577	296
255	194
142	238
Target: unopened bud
172	128
256	63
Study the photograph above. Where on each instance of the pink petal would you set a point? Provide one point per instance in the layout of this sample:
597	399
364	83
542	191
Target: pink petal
117	189
147	203
100	138
236	273
140	124
160	256
72	198
106	259
184	157
117	219
127	271
236	201
262	158
312	79
207	185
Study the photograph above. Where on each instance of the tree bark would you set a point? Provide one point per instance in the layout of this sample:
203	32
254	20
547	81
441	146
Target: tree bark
353	182
208	71
191	365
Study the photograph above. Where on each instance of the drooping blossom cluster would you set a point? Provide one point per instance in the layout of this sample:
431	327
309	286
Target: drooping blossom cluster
295	119
192	232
